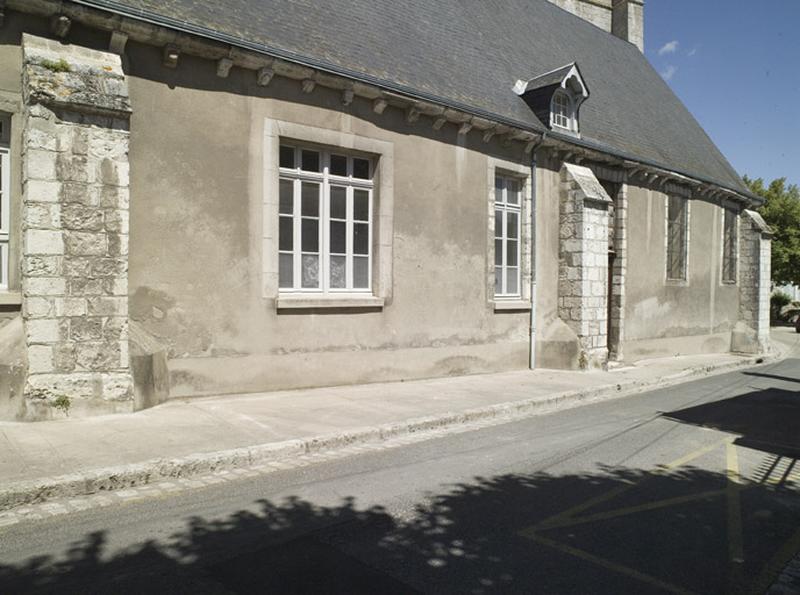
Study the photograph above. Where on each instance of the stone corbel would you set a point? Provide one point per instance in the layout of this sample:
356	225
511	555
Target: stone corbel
60	25
264	76
117	42
224	66
171	55
308	85
379	105
348	95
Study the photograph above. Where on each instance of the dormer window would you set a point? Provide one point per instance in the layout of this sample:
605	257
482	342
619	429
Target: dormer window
561	115
556	97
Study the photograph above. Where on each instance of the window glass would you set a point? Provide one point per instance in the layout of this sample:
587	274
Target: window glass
286	271
310	161
286	197
287	157
361	205
324	237
286	234
507	213
360	168
338	202
338	165
729	246
677	213
360	272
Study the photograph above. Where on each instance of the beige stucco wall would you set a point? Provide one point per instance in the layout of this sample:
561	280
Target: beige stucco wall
196	228
195	254
666	318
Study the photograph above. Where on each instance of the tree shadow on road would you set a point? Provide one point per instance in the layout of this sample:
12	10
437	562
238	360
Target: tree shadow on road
614	531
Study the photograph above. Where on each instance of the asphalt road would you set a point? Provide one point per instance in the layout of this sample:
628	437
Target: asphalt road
691	489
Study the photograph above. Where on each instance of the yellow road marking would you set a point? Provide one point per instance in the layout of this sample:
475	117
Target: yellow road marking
696	453
608	565
628	510
735	538
556	520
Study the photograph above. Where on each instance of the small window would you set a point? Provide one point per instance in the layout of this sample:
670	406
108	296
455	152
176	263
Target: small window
325	226
561	113
677	238
5	171
507	224
729	245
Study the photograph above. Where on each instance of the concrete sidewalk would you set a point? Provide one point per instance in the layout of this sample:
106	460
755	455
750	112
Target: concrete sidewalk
185	437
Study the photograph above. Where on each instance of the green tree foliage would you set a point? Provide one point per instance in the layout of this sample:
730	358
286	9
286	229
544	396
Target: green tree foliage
782	214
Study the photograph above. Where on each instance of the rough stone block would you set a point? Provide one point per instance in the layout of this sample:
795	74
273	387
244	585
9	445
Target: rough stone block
74	168
45	330
116	220
38	307
39	165
100	356
41	191
81	217
39	241
84	328
47	286
84	243
43	216
84	194
39	137
40	359
108	306
79	286
64	357
70	307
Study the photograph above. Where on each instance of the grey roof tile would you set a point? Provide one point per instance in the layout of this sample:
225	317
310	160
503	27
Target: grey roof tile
471	52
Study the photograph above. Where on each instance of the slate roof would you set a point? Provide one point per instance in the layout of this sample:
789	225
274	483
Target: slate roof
468	53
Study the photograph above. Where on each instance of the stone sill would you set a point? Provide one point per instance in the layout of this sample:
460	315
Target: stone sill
511	305
308	302
10	298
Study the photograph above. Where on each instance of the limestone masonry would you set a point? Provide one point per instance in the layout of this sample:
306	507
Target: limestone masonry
75	227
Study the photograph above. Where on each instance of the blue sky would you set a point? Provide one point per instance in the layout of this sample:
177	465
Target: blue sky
736	66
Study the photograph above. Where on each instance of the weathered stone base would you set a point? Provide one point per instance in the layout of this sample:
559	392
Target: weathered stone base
53	396
745	339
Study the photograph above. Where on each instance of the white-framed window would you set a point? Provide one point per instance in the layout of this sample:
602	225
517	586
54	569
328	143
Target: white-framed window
730	240
5	202
561	111
677	237
325	221
507	244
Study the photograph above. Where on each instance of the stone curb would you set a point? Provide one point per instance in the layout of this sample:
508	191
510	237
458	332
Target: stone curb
138	474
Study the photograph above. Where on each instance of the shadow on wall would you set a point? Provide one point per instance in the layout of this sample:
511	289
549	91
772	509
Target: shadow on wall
635	532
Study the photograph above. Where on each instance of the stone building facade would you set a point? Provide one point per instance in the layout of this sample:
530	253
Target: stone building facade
191	214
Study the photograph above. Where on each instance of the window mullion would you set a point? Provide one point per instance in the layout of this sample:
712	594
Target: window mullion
370	245
349	238
324	224
296	247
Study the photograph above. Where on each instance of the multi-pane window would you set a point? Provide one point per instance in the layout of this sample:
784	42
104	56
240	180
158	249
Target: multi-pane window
729	240
677	237
507	219
325	214
562	111
5	171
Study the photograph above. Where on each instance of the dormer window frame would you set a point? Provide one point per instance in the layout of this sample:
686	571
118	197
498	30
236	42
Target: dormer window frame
563	112
556	98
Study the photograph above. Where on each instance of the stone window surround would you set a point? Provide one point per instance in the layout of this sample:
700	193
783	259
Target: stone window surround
383	213
521	172
687	247
735	281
